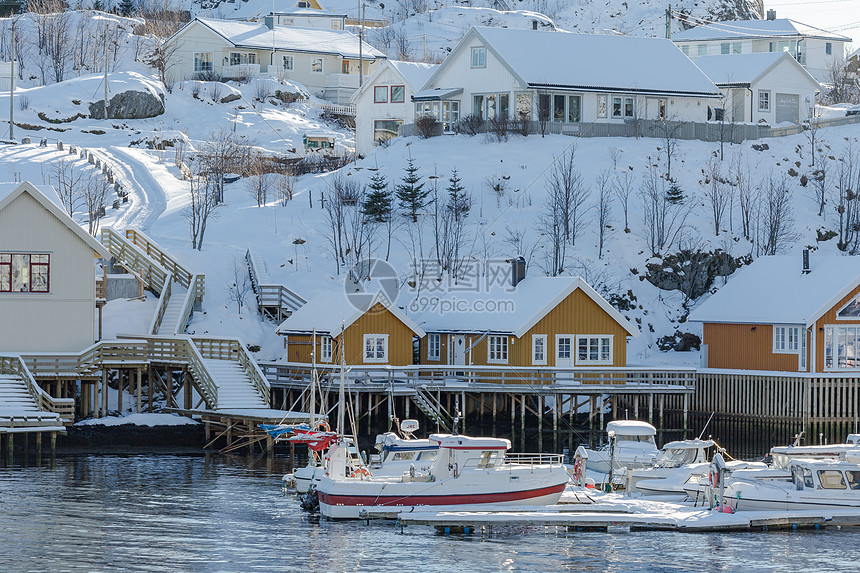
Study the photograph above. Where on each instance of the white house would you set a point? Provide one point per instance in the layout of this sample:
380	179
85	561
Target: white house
47	273
813	47
769	87
572	79
324	61
307	18
384	102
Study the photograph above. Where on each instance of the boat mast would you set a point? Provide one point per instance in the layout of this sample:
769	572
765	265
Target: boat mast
314	379
341	397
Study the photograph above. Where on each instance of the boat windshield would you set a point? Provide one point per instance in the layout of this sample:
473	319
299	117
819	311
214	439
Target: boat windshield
678	456
853	478
643	439
831	479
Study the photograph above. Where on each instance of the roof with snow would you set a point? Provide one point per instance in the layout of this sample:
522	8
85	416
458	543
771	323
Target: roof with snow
330	312
253	35
514	310
311	13
738	29
631	428
48	198
416	74
773	290
650	65
746	69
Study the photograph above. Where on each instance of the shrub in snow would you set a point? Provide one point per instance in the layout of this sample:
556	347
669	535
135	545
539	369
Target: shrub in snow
428	126
469	125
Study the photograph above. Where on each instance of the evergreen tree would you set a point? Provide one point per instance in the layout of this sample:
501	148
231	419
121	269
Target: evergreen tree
378	202
411	193
675	195
459	202
126	7
98	6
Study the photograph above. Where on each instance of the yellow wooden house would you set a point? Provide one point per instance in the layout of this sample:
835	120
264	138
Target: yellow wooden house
381	335
542	321
785	314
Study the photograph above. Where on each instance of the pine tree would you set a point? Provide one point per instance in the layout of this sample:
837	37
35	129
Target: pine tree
459	202
378	202
126	7
410	192
675	195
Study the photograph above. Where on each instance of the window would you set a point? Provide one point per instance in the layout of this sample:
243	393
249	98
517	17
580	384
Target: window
524	106
841	347
763	100
563	349
288	62
336	25
479	57
478	106
828	48
685	49
538	348
628	107
703	49
317	65
375	347
434	346
344	67
242	58
497	349
380	94
543	106
504	105
491	106
850	311
235	58
661	109
398	94
24	273
725	48
593	350
736	47
601	105
325	349
786	339
450	115
831	479
385	129
203	61
616	107
558	108
574	109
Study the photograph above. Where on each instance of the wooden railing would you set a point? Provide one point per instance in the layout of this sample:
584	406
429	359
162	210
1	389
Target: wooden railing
272	296
163	301
234	349
15	366
593	378
151	248
130	256
187	308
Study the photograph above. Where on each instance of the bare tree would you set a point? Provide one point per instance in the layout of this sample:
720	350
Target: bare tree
285	185
838	77
259	179
222	153
348	236
668	128
238	290
68	180
94	192
663	218
203	201
847	185
402	45
604	208
820	182
564	183
775	218
622	184
747	193
718	191
551	223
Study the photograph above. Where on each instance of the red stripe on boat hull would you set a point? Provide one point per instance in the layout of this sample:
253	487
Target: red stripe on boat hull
459	499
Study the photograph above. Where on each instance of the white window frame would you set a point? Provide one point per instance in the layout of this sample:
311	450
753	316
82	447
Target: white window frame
481	52
831	344
326	348
786	338
843	307
767	107
374	358
603	98
543	339
434	346
590	338
702	50
497	349
288	63
201	67
322	65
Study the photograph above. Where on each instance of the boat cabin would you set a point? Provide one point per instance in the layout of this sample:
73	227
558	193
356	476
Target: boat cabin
458	453
679	453
393	448
824	474
632	431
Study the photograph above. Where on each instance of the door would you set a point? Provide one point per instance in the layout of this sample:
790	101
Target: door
738	105
787	107
458	349
564	350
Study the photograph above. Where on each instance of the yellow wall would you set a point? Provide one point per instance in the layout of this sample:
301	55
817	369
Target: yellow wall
740	347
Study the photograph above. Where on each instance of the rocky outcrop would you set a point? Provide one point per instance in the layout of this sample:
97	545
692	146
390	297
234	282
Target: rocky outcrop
692	272
131	104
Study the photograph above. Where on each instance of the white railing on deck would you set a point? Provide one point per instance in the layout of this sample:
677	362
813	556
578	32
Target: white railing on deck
163	301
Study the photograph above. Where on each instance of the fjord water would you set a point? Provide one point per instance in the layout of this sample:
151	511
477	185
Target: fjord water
201	512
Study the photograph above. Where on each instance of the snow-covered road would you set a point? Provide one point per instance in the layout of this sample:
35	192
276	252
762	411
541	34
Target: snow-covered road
147	198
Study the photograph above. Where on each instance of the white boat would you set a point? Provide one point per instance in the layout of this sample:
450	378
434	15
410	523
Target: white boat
690	480
676	463
782	455
467	471
633	445
810	484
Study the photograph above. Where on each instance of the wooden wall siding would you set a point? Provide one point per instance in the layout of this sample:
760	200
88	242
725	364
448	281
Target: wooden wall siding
829	318
378	320
740	347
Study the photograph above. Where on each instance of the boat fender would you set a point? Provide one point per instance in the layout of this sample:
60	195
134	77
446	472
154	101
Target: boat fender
577	471
360	472
726	508
714	479
323	425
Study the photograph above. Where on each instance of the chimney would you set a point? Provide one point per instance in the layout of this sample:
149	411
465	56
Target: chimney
771	14
805	261
518	270
269	21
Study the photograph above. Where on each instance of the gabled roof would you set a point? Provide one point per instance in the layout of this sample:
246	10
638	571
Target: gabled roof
47	197
331	312
597	63
415	74
747	69
514	310
745	29
257	36
773	290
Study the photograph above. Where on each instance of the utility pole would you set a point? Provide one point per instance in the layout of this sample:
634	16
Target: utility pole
106	71
669	22
12	86
361	44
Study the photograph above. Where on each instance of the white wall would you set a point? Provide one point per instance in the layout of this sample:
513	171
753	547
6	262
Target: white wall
367	112
62	320
785	78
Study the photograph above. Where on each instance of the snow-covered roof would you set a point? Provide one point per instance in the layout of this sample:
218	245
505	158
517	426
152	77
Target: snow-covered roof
257	36
631	428
773	290
602	63
330	312
436	94
415	74
695	444
746	69
740	29
465	442
312	13
48	198
514	310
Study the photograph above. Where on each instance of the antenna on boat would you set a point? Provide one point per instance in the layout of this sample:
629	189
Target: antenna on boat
706	425
456	416
341	408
